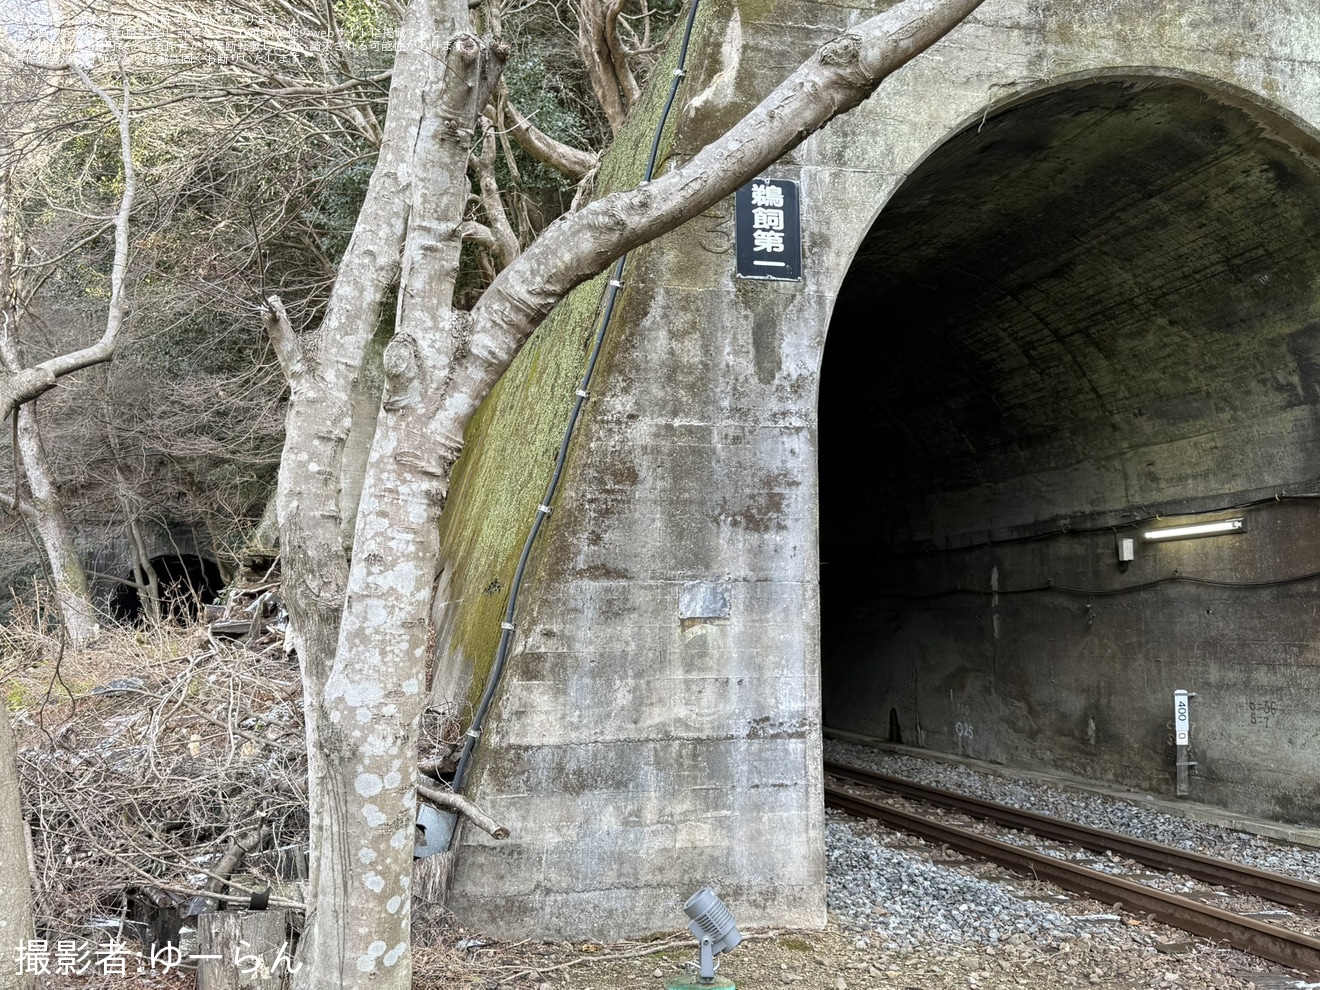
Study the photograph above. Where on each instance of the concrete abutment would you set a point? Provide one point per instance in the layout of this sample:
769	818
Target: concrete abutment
1068	257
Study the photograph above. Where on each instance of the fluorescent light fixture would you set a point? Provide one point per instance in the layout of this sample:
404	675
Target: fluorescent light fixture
1220	527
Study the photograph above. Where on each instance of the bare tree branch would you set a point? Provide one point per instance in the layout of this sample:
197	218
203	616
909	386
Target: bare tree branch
12	504
565	159
506	245
456	802
26	384
841	74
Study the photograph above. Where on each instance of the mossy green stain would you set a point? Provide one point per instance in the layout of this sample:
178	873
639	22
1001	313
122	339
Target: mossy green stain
511	444
497	484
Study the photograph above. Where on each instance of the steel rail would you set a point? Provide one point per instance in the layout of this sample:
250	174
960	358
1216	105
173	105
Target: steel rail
1246	879
1258	938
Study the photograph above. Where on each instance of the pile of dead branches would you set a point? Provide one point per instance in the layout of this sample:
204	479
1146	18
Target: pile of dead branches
153	766
165	769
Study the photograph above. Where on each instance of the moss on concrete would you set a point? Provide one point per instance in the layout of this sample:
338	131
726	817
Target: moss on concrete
511	444
508	456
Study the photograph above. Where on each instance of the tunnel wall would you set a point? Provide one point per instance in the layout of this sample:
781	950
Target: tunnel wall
1050	653
659	727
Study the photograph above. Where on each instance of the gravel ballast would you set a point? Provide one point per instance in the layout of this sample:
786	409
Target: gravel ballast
906	900
899	898
1096	810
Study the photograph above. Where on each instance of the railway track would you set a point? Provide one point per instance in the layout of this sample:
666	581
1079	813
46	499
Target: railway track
1267	941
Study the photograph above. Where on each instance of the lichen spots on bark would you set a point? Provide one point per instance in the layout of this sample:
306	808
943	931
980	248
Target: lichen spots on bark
367	963
356	693
368	784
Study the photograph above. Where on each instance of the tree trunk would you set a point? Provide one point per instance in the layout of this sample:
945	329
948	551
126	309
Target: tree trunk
72	590
315	568
15	879
253	947
20	385
145	579
365	693
602	52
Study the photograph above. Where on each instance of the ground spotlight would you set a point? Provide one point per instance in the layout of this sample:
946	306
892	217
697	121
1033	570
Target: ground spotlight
712	923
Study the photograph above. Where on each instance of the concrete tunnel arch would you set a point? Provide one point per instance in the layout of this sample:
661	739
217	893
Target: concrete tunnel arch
1096	305
187	581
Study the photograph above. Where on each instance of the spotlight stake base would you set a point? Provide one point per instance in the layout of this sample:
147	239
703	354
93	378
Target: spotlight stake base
695	983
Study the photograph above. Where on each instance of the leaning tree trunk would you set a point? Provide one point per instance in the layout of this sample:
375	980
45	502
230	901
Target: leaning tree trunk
15	879
364	666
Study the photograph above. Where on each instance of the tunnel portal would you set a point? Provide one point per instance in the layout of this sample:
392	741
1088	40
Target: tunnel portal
1084	317
186	581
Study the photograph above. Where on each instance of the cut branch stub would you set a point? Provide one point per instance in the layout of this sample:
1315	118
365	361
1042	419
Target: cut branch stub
402	384
492	69
456	802
284	340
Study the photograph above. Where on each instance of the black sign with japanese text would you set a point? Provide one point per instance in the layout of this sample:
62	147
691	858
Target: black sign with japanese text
769	230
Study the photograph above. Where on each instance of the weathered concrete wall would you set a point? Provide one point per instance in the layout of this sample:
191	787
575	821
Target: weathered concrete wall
659	727
1049	654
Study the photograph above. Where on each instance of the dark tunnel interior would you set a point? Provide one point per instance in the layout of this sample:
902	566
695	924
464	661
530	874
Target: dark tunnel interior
1096	307
187	581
